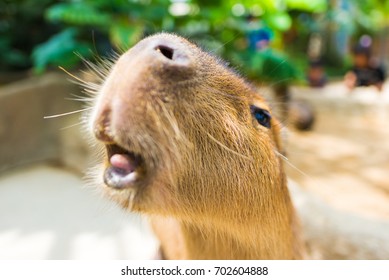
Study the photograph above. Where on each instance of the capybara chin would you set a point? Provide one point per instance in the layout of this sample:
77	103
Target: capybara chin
190	144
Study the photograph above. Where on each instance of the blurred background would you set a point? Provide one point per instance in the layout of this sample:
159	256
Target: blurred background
321	63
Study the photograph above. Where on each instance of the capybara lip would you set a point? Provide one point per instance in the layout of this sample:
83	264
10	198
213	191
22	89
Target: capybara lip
125	168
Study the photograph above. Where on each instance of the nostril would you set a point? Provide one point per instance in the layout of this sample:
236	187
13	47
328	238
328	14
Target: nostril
166	51
171	54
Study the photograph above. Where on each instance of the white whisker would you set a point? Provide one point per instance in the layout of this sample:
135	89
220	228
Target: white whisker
81	99
292	165
66	114
71	75
226	148
70	126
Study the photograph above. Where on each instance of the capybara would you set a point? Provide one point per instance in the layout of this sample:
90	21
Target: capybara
190	144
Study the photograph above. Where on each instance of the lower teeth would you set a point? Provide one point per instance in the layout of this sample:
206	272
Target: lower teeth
116	178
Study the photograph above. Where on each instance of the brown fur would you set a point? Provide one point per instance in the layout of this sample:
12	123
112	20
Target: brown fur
214	185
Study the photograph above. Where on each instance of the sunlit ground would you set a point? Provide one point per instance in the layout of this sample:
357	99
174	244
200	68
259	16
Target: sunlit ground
48	213
345	159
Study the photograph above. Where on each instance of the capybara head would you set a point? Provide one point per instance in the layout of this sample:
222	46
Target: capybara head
185	136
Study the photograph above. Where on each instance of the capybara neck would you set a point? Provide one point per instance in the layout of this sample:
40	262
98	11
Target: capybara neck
189	143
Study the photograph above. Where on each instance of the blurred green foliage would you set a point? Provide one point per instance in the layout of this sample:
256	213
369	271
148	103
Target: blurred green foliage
21	28
60	50
95	27
219	26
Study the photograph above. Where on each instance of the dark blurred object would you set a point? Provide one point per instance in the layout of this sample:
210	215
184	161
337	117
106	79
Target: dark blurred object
258	34
301	115
316	74
269	65
364	72
22	26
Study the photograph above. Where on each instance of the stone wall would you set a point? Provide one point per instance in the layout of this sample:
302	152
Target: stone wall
27	137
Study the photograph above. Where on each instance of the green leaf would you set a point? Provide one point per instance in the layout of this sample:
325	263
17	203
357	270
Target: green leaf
124	34
78	14
270	65
280	21
312	6
277	67
59	50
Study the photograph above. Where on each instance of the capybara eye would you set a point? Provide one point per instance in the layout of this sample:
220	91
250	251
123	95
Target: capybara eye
262	116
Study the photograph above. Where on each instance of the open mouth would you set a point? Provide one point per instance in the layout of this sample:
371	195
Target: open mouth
125	168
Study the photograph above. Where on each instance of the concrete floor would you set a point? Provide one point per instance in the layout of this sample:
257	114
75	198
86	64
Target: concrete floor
47	213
